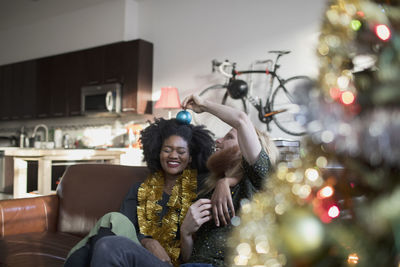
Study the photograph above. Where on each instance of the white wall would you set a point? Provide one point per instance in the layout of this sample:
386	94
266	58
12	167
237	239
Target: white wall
46	27
186	34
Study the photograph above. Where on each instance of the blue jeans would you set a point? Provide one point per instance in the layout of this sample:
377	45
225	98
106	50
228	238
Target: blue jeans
195	265
121	251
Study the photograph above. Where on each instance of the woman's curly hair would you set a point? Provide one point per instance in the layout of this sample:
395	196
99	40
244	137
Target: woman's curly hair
199	139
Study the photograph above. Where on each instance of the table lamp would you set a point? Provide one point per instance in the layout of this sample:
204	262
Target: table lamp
169	99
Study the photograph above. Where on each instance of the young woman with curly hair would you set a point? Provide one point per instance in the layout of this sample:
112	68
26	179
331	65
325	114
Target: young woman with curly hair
176	155
153	210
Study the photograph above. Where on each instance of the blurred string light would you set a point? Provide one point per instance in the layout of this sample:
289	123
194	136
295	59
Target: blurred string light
333	211
335	93
327	136
325	192
347	98
352	258
383	32
343	82
321	162
311	174
355	24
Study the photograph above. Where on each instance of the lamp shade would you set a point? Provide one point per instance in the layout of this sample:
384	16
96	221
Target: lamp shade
169	98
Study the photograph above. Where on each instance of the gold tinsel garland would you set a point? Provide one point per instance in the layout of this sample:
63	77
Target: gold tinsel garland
148	210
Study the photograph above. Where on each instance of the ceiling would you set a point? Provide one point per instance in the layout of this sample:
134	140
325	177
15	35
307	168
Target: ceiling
14	13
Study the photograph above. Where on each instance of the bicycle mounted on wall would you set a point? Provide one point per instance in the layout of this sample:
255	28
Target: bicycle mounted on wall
279	105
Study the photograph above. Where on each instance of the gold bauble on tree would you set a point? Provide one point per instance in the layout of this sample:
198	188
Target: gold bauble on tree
302	233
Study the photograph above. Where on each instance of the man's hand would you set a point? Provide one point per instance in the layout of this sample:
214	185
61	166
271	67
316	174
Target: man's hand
221	201
155	247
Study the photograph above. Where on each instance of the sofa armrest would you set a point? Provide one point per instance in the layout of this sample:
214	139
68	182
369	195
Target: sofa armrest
28	215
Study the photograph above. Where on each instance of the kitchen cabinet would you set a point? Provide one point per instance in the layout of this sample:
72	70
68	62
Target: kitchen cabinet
2	94
17	90
103	64
113	67
138	73
58	91
11	91
6	92
28	96
74	66
51	86
44	83
16	93
93	65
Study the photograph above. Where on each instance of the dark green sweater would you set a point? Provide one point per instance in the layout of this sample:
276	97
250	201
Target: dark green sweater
210	241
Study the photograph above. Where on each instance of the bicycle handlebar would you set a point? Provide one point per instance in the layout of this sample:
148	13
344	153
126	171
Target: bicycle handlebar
223	65
281	52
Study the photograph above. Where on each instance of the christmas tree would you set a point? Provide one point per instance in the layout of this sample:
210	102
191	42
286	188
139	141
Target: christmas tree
339	203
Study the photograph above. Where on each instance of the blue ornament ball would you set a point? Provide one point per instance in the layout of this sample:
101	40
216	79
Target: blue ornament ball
184	117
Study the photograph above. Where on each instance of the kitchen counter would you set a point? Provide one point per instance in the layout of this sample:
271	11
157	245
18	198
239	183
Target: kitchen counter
45	158
73	154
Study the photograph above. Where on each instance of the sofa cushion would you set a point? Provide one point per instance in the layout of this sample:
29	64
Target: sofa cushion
88	191
36	249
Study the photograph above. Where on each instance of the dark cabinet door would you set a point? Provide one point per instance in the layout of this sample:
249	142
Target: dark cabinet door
93	65
3	95
2	92
103	64
7	95
59	75
74	82
44	84
51	100
16	92
29	76
113	58
138	75
130	69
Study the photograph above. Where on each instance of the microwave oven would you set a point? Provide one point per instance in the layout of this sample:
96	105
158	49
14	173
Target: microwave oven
101	98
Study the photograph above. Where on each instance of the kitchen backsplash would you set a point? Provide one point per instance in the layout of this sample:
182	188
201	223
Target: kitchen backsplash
84	131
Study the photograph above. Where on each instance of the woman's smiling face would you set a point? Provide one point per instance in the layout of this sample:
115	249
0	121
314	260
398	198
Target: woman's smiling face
174	156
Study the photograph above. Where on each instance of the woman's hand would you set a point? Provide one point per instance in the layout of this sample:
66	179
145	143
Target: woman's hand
221	201
198	213
155	247
194	102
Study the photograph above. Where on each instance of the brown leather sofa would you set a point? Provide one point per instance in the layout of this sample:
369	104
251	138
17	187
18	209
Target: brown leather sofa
40	231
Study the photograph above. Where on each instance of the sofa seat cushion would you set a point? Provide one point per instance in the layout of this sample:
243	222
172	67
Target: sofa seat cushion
36	249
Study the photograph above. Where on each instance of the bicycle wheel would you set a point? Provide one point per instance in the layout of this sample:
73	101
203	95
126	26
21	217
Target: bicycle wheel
283	98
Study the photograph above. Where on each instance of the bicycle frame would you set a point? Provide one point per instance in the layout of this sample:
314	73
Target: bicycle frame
266	112
272	72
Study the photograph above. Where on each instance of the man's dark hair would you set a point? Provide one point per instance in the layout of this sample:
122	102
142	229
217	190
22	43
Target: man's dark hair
199	139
